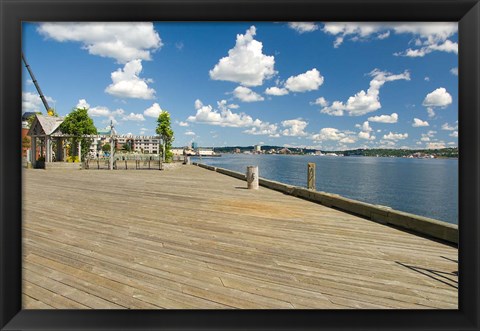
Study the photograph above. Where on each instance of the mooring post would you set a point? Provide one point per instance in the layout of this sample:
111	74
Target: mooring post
311	176
252	177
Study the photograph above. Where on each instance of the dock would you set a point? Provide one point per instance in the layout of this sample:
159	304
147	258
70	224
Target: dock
190	238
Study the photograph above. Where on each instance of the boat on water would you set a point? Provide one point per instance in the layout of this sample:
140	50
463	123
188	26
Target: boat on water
207	152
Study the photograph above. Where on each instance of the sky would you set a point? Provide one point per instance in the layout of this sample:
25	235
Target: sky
329	86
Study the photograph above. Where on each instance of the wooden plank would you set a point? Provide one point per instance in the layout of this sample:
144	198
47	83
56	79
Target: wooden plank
189	238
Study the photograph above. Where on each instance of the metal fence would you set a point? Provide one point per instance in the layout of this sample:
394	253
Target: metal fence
129	162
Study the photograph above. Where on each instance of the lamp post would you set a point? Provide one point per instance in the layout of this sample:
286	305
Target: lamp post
111	144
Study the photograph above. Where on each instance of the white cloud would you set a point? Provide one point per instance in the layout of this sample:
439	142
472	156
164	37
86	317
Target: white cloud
438	98
189	133
122	41
302	27
98	111
446	46
454	134
336	109
179	45
365	135
245	63
431	112
359	30
393	118
294	128
184	124
308	81
430	36
133	117
436	145
365	102
395	136
82	103
276	91
127	83
419	123
31	102
327	134
223	116
387	144
153	111
246	95
427	79
264	129
428	135
384	35
366	131
198	104
449	127
454	71
322	102
101	111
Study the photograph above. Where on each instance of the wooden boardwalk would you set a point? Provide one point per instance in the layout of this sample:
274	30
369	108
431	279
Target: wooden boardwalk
193	238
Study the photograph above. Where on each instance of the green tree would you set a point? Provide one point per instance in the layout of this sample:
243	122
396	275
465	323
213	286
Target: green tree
106	148
78	124
31	118
26	142
164	130
127	147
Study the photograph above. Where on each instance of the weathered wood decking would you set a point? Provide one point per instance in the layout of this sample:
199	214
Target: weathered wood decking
192	238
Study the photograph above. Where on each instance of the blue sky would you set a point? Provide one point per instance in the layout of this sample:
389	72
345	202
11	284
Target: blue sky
330	86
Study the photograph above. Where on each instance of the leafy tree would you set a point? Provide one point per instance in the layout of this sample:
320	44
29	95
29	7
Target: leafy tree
78	124
164	130
31	118
26	142
127	147
106	148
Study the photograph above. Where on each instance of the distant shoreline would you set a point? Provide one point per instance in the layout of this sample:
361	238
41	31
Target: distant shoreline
443	153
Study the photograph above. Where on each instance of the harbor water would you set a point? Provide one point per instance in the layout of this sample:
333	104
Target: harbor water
426	187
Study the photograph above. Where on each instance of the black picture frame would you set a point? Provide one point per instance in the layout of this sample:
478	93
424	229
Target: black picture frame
14	12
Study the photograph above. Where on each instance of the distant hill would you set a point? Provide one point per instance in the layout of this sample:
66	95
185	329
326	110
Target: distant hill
380	152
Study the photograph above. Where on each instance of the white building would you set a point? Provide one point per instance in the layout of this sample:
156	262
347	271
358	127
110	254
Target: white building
140	144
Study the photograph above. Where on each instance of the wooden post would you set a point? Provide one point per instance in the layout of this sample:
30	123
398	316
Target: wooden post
311	176
252	177
48	149
59	151
111	153
33	150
